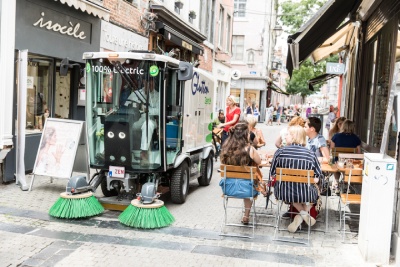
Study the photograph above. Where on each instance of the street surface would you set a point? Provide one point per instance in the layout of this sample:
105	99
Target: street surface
30	237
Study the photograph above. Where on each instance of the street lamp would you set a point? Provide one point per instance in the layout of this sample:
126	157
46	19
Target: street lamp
278	29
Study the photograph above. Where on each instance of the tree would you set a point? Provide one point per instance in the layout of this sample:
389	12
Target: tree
299	81
295	14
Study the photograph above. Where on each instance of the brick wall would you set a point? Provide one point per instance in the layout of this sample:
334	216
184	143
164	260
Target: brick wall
126	15
206	61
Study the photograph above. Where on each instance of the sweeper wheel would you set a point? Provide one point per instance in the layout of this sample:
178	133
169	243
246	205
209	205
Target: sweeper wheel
156	204
206	170
82	195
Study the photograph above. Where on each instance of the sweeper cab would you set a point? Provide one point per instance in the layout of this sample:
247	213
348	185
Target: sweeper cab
149	122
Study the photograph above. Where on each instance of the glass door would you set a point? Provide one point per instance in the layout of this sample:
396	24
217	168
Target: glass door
39	72
62	94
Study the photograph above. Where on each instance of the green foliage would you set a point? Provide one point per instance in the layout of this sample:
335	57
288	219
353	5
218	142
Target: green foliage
297	13
294	15
298	82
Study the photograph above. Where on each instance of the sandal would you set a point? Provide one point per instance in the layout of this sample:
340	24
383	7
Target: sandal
245	220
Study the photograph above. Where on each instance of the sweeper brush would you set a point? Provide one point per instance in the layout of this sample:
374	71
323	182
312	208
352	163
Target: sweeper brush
76	206
146	216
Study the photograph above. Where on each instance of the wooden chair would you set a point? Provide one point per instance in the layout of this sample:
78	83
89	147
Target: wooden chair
351	177
337	150
296	176
239	172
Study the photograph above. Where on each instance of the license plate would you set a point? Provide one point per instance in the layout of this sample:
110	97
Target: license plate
116	171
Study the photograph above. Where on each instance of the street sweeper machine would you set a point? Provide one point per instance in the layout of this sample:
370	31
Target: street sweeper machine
148	122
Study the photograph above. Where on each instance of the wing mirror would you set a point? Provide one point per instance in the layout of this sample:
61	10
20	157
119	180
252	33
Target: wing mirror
185	71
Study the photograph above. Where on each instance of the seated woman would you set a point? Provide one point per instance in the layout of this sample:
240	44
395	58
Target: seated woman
281	140
256	135
335	129
296	156
237	151
346	137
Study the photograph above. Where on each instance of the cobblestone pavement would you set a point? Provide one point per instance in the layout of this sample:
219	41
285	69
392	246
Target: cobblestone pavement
30	237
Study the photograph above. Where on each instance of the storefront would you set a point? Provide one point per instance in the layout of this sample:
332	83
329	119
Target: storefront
173	36
52	31
250	90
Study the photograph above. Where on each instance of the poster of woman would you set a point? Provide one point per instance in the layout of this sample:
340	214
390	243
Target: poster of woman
57	148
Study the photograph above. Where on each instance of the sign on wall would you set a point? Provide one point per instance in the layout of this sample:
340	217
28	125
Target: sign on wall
115	38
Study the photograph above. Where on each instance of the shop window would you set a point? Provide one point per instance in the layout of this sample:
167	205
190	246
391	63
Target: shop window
38	92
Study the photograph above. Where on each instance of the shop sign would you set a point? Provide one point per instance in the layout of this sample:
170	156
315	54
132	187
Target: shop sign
186	45
334	68
115	38
70	28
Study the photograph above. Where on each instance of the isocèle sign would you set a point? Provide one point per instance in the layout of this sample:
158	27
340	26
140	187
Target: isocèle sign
71	29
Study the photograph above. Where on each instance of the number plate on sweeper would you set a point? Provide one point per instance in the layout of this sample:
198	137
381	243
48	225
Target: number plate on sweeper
116	171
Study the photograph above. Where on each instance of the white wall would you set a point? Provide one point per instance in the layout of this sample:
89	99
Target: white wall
7	66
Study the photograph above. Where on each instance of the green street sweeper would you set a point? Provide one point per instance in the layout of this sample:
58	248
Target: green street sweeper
149	123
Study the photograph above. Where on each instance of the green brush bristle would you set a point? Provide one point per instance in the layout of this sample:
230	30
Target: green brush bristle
146	218
73	208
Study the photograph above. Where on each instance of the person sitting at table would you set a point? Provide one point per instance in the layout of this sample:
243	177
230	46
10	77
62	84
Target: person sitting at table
316	142
296	156
346	137
237	151
335	129
281	140
256	135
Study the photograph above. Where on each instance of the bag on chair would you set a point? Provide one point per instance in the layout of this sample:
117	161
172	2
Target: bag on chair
239	188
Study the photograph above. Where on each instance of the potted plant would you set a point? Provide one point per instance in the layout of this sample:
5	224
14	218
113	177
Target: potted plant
179	4
192	14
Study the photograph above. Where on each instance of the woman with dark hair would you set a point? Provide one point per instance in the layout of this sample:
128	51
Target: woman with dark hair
238	151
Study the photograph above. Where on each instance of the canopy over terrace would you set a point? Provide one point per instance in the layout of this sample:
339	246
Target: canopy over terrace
317	30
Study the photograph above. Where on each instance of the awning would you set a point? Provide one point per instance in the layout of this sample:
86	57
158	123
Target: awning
273	86
318	29
181	40
88	7
344	38
320	79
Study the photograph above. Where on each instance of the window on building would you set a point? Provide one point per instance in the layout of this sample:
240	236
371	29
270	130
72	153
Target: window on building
240	8
221	27
237	47
250	57
210	31
228	34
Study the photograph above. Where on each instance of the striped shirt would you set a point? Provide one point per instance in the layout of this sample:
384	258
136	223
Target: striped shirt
295	157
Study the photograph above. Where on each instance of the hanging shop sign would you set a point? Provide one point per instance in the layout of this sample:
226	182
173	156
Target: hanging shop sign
334	68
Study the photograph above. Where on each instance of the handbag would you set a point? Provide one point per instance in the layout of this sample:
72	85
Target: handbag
239	188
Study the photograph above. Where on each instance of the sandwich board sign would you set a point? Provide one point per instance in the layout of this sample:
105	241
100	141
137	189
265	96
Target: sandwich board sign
58	148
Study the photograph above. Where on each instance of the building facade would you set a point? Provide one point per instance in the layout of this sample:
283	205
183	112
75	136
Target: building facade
253	40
